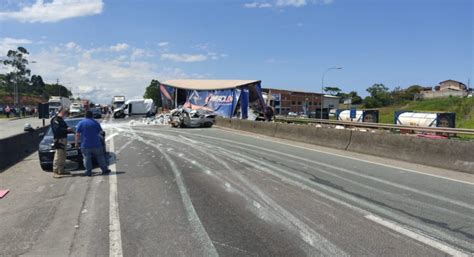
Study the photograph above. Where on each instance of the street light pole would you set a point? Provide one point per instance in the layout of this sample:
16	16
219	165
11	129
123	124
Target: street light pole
322	87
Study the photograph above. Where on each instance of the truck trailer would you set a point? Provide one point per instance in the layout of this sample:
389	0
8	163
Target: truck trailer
57	102
425	119
371	116
118	101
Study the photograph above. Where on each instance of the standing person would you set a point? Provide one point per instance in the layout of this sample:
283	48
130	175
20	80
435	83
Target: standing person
7	111
88	131
60	131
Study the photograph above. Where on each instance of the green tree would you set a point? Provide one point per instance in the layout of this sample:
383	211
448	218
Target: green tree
18	64
3	83
153	92
399	95
379	96
38	85
411	91
353	95
332	90
57	90
356	99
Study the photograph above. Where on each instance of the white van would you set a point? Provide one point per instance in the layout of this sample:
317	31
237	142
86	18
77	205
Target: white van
135	107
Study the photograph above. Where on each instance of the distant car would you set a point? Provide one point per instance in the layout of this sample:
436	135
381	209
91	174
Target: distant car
46	151
292	114
96	113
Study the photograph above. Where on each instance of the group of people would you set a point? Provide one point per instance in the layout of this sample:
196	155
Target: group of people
87	133
18	111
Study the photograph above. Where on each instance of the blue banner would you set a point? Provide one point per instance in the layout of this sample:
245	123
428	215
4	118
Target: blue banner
220	101
167	96
244	103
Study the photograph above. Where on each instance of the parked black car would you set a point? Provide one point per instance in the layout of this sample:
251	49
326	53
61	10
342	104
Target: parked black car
46	153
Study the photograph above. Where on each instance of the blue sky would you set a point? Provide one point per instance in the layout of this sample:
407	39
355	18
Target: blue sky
104	47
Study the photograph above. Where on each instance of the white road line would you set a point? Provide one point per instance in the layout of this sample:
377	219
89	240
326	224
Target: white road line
338	155
111	136
307	234
123	147
301	182
115	237
419	237
427	194
191	213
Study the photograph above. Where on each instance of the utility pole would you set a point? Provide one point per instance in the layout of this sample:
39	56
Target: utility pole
322	87
59	88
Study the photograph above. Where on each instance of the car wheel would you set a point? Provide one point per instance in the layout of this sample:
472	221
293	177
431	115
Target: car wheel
47	167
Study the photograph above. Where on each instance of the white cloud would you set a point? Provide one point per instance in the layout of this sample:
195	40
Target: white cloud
8	43
257	5
294	3
119	47
184	57
98	77
72	45
286	3
163	44
54	11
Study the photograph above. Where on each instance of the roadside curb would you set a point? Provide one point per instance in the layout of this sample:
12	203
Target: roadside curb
15	148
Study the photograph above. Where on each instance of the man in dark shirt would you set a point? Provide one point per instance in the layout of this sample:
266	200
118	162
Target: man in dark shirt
88	132
60	131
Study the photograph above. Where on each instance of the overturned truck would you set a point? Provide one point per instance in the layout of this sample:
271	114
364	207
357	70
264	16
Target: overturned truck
226	98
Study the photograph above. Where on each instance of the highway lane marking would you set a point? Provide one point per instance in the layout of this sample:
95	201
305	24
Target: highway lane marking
386	182
111	136
191	213
339	155
417	236
115	237
438	197
302	183
381	181
307	234
367	161
123	147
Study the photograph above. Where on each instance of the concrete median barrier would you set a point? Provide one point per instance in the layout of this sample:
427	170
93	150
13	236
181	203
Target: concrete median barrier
302	133
309	134
15	148
448	154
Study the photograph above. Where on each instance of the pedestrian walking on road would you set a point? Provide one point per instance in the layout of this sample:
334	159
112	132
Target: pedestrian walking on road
60	131
8	111
88	132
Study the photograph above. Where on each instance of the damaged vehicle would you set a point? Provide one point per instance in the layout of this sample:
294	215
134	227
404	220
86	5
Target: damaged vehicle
188	118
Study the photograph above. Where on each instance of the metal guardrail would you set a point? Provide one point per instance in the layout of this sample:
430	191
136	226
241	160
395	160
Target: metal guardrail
382	126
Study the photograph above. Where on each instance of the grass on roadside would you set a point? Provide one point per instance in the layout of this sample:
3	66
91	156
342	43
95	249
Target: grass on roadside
463	107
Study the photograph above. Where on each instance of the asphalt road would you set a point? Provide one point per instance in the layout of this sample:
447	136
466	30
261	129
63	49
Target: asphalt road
215	192
10	127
